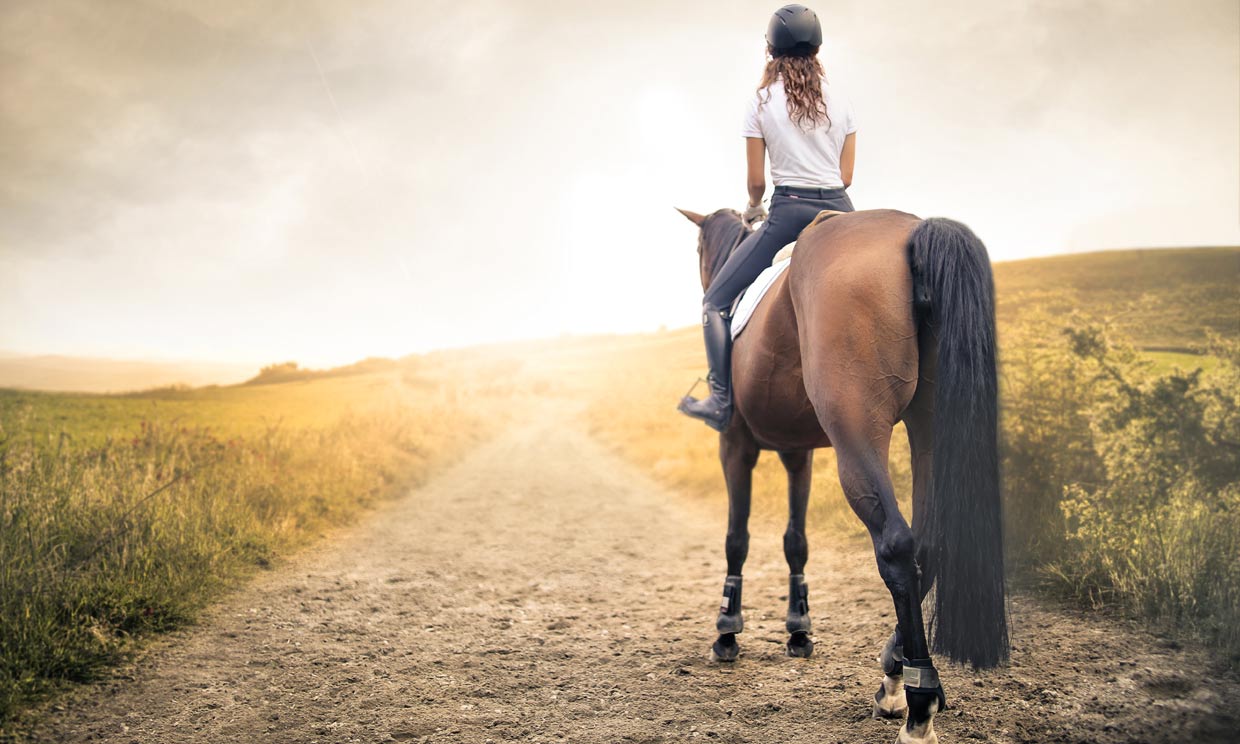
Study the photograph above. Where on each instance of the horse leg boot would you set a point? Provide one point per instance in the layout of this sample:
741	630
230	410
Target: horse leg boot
799	643
739	454
798	465
715	410
730	621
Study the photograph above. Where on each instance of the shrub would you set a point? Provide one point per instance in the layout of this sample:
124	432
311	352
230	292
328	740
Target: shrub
1160	531
1047	441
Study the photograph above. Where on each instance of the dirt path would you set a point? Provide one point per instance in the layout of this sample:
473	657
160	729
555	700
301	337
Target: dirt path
542	590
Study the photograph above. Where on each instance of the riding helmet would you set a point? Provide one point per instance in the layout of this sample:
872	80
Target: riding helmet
794	28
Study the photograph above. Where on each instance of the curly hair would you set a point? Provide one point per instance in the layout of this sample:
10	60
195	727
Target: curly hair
802	75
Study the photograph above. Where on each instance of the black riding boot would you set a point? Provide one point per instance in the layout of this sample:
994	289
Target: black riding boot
716	410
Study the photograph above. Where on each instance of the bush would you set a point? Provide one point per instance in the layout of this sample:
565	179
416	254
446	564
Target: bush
1046	436
1123	484
1160	532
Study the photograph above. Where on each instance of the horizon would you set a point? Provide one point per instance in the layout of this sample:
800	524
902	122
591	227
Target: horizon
257	365
323	183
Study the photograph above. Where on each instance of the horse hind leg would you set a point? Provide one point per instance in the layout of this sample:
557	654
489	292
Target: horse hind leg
889	701
738	453
799	466
862	457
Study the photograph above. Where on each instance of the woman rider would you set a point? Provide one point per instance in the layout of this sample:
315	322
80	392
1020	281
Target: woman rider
811	137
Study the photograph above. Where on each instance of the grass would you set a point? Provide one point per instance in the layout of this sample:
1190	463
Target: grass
227	411
124	515
1160	299
1164	362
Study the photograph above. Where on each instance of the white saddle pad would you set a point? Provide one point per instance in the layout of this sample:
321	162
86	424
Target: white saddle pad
754	293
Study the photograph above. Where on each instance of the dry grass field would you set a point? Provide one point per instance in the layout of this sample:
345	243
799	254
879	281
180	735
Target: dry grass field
122	515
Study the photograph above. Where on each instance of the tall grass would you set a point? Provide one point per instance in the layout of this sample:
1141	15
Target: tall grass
105	541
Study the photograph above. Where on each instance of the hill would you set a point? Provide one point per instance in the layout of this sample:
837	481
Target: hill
1159	298
97	375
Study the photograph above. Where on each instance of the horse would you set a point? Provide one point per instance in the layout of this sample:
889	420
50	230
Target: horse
881	317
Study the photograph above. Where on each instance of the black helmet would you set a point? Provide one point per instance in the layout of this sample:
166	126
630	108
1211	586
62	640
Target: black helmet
794	28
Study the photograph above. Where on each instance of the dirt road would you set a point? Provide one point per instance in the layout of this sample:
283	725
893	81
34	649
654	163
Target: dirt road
542	590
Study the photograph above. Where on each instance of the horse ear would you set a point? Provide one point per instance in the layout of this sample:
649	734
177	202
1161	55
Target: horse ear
693	217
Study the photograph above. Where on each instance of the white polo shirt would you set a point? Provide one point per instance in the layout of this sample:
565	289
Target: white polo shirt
800	157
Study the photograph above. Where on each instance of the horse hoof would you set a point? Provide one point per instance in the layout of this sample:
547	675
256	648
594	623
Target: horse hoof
800	646
922	735
726	648
889	701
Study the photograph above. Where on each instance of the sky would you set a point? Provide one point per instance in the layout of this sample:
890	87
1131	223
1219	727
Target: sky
325	181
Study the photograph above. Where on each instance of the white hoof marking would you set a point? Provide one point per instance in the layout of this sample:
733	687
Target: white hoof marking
893	703
924	735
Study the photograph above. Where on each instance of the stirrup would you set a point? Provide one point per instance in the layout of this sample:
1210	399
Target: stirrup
707	410
717	416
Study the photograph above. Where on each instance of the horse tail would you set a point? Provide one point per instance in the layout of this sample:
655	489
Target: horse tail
955	294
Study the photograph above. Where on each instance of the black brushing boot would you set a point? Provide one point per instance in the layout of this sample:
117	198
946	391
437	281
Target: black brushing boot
730	622
798	624
716	410
924	695
730	619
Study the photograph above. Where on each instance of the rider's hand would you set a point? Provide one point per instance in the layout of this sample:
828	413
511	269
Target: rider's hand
754	213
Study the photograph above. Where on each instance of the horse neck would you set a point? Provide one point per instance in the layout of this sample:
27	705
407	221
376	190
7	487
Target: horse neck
721	243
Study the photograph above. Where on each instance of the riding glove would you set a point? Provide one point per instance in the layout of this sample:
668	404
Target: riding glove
755	213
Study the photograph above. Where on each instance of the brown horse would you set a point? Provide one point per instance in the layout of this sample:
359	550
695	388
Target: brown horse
881	317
